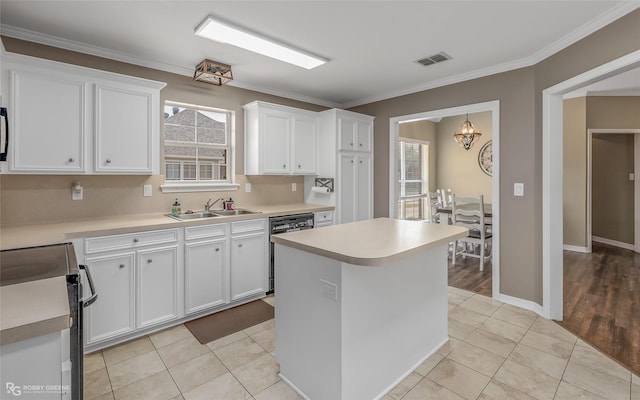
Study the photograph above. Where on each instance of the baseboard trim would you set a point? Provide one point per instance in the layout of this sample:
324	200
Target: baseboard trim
610	242
578	249
521	303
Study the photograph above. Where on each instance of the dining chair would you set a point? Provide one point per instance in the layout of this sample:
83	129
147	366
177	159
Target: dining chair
434	202
468	212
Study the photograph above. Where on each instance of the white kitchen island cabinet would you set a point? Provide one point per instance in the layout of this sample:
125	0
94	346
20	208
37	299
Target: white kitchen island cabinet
360	305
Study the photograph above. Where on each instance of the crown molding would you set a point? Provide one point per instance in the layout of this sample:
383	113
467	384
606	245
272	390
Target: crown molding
597	23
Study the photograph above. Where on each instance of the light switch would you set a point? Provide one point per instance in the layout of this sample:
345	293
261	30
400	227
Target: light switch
247	187
518	189
328	290
294	187
146	191
632	176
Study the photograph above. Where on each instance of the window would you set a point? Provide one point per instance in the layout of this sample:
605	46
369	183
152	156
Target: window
413	179
197	148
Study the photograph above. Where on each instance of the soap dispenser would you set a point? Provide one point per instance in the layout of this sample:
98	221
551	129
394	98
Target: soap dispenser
229	204
175	208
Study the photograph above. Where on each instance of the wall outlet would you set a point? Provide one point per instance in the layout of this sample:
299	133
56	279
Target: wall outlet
146	191
247	187
294	187
329	290
77	191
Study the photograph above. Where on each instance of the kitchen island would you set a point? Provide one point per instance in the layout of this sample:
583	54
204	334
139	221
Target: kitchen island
360	305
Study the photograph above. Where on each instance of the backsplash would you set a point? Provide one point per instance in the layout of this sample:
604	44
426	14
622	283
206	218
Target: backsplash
32	199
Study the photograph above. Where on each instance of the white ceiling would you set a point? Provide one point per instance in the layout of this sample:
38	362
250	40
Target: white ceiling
372	45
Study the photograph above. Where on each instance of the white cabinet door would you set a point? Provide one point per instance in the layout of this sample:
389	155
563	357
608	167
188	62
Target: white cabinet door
157	285
248	265
347	189
206	274
346	134
364	195
113	312
305	148
364	135
124	129
48	123
275	139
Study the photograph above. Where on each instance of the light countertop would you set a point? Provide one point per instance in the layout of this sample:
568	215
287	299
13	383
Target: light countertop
33	309
49	233
372	242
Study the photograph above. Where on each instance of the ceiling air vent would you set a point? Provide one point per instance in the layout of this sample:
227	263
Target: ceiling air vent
436	58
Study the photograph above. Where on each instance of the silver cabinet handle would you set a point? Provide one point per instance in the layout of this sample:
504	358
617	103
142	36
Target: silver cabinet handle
360	144
94	294
121	266
136	240
108	161
217	248
284	165
351	161
360	161
149	261
240	245
351	144
299	166
71	159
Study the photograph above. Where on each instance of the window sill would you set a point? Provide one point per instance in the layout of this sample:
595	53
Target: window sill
183	187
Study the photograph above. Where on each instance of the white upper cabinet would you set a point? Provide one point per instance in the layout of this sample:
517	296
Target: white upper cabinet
125	122
66	119
280	140
49	123
354	134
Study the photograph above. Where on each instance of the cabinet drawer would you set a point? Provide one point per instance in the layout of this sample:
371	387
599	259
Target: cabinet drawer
251	225
130	240
205	231
323	217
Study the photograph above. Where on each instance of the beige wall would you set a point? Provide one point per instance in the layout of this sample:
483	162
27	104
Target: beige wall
458	169
574	150
612	194
27	199
581	114
520	95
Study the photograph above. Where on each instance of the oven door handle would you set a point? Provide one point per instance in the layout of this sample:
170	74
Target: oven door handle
94	294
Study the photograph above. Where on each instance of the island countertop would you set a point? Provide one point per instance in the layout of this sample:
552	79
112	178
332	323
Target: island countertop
372	242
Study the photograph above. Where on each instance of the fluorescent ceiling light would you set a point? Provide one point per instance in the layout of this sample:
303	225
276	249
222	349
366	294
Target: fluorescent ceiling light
226	33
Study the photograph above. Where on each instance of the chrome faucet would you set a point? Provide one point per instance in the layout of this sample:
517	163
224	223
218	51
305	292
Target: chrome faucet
208	206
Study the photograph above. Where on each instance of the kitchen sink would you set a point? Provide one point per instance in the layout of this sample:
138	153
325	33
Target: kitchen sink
187	216
193	215
235	212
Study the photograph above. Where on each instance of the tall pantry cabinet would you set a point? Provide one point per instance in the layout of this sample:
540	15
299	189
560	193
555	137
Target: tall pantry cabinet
346	154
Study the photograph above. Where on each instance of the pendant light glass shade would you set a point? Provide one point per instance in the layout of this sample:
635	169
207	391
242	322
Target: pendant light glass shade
467	135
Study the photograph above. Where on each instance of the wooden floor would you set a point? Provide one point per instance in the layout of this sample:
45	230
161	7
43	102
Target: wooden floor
602	301
466	275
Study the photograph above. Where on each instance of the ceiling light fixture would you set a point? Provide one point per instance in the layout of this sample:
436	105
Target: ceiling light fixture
467	134
213	72
224	32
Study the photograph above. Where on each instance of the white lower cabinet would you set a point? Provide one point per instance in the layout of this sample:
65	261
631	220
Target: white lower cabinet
137	284
248	267
113	313
150	280
206	272
157	286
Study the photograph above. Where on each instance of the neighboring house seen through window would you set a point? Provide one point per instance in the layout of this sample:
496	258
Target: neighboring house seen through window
197	146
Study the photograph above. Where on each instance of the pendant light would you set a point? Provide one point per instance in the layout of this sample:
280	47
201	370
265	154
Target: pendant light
467	135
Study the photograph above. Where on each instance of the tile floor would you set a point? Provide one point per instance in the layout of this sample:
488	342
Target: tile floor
496	351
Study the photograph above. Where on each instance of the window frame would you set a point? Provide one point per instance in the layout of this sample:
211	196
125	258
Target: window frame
178	186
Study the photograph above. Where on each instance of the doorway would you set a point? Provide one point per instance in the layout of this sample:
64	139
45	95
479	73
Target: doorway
552	181
394	175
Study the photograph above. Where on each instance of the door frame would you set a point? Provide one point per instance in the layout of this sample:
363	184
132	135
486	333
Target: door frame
552	177
636	184
494	108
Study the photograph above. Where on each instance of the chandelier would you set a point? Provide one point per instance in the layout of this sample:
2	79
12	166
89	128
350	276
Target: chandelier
467	134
